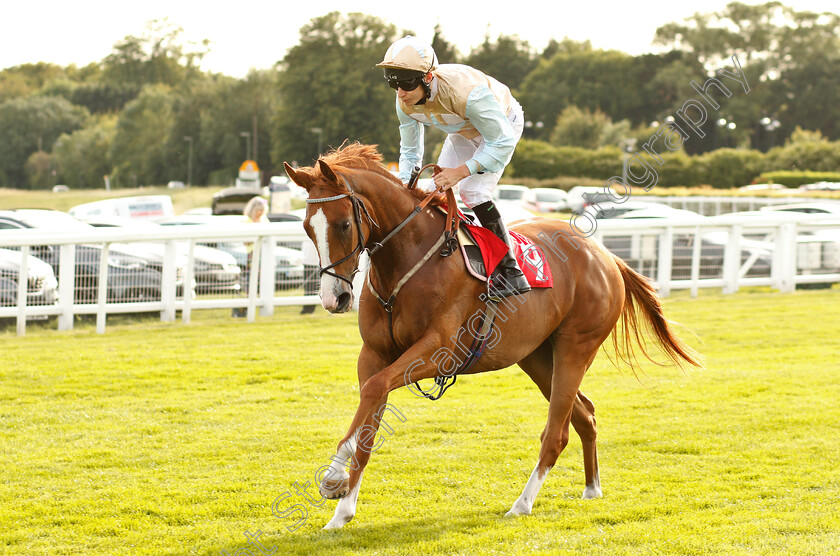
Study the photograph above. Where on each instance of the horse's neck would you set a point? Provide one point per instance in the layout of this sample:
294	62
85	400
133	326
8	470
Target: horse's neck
390	205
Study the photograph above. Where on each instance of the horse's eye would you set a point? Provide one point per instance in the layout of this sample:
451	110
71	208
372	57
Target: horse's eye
345	225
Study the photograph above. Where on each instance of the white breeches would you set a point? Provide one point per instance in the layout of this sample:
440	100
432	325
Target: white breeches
457	149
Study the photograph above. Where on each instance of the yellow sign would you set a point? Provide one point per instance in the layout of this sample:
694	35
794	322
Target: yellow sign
249	166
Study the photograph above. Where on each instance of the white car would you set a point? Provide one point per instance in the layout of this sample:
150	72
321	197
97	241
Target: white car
818	251
825	207
661	211
547	199
763	187
581	196
41	284
617	210
821	186
512	194
640	250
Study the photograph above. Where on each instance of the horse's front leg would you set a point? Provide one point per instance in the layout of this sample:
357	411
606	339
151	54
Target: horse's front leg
353	453
355	448
341	483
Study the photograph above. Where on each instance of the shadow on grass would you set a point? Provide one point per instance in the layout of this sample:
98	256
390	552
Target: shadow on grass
390	537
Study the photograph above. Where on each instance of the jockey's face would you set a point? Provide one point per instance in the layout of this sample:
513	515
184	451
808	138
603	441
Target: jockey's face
412	97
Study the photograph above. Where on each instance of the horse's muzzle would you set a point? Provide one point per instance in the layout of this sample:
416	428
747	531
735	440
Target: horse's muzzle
345	301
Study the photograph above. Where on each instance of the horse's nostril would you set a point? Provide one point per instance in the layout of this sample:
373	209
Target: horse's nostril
344	301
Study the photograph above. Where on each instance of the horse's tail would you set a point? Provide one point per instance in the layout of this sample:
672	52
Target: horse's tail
640	294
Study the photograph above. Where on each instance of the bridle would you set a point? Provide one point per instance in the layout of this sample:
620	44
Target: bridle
359	208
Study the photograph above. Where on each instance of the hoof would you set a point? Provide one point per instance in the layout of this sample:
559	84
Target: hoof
333	490
335	524
518	509
593	489
591	492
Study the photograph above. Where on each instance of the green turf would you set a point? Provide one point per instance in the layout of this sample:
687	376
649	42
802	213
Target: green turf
165	438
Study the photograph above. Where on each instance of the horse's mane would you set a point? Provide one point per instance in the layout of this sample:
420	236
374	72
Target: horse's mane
367	157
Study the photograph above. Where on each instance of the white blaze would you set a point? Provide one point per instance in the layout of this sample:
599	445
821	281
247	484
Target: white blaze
318	221
320	226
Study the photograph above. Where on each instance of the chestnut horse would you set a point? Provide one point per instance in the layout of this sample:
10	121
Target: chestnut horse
553	334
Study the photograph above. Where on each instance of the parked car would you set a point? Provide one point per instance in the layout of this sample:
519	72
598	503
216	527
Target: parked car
763	187
215	271
547	199
818	251
289	262
133	274
824	207
148	207
821	186
232	201
612	209
511	212
517	194
41	284
580	197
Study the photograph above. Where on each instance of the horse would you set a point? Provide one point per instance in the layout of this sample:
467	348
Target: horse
355	204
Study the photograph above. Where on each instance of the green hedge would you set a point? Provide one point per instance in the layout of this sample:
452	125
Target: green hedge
722	168
795	179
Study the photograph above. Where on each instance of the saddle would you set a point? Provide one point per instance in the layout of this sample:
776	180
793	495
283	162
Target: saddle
483	250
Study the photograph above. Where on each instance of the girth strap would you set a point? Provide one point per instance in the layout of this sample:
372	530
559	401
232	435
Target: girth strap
476	350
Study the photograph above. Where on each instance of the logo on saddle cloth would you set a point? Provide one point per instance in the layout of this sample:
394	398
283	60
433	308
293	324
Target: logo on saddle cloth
483	251
531	259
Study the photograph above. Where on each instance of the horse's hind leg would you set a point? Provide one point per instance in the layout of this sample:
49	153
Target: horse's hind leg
572	355
539	366
583	420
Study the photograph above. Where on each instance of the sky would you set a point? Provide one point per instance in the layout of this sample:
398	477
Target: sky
249	34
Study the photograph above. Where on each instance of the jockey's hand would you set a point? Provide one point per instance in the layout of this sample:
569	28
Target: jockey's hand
448	178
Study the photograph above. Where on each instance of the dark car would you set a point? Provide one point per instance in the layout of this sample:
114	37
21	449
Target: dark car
215	270
132	274
232	201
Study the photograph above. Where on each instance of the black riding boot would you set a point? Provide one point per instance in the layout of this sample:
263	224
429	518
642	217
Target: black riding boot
508	278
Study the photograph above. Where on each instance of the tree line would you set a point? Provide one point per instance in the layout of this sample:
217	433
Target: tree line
140	113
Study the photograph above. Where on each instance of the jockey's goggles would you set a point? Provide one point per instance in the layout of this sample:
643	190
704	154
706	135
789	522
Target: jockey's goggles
405	84
407	80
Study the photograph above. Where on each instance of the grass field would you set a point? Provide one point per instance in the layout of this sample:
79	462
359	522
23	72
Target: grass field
182	199
160	438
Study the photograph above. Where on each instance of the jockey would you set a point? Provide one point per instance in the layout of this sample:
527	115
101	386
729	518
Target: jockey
483	123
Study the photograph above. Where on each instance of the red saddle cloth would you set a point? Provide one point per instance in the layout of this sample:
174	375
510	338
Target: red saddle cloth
530	256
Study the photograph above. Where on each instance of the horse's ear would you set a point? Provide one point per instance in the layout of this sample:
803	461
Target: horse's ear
327	172
300	177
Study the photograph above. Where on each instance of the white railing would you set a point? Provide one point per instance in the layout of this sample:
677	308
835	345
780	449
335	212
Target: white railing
261	287
780	250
